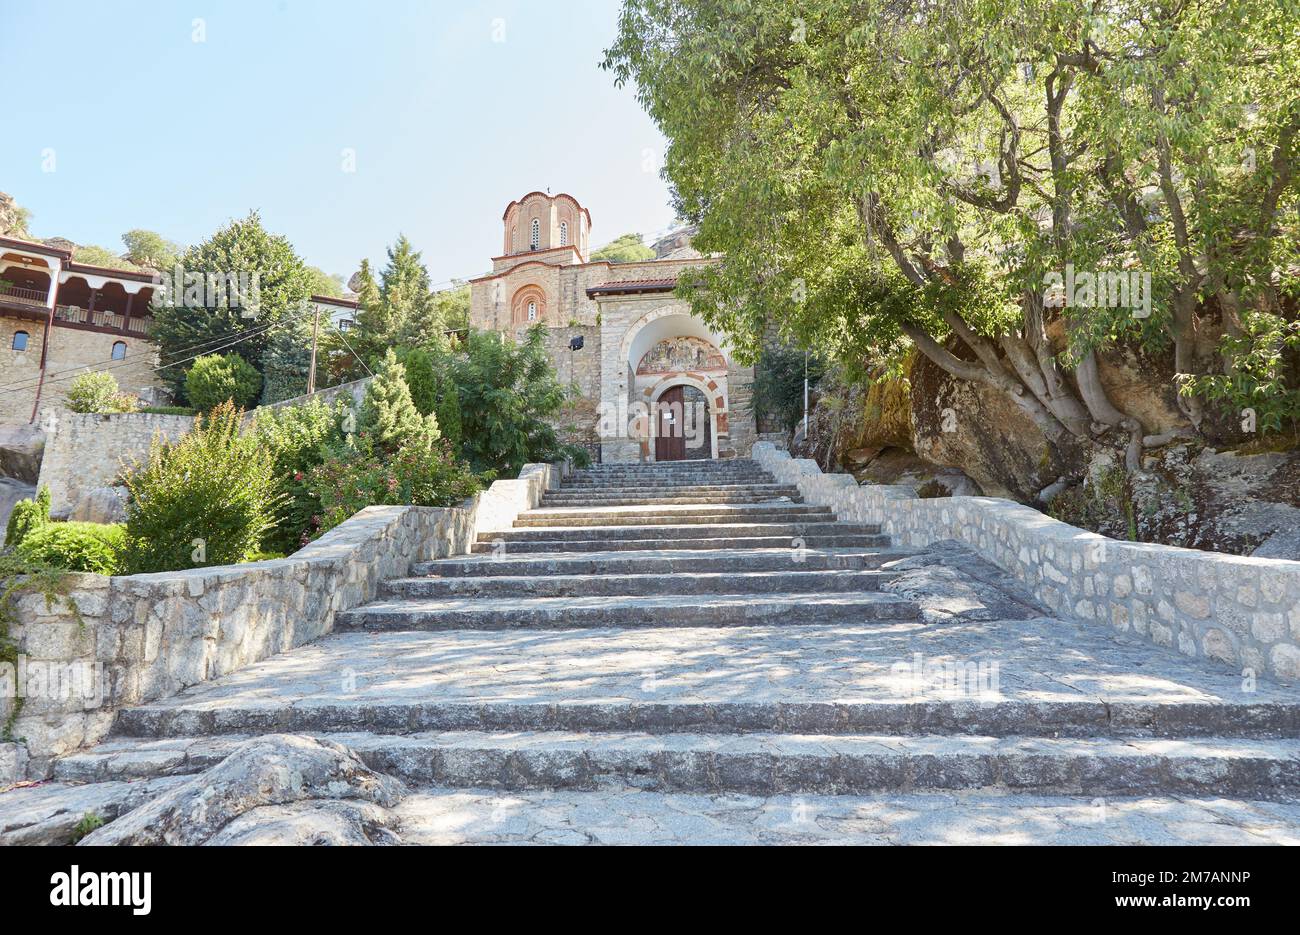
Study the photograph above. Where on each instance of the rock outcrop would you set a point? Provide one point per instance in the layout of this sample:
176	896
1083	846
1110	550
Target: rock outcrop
272	772
21	449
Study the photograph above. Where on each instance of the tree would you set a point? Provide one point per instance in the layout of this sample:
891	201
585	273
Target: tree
629	248
220	378
885	175
100	256
212	319
433	389
322	283
508	392
147	248
389	419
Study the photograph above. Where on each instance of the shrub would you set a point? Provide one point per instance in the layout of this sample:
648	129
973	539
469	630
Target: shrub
97	391
299	438
421	474
26	516
433	390
167	410
207	499
389	420
93	547
508	394
218	378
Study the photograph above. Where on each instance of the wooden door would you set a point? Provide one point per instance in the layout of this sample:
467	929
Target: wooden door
670	442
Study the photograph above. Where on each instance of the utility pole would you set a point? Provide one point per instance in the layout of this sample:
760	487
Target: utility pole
805	397
311	374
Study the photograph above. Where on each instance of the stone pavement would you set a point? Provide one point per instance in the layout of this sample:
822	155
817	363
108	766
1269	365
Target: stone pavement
688	654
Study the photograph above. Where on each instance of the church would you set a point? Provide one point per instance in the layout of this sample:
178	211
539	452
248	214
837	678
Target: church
619	333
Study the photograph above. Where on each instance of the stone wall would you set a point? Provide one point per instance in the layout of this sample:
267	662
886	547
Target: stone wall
146	637
84	451
1244	612
72	351
356	391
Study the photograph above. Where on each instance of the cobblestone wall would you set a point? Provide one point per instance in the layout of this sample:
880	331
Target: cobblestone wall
1241	611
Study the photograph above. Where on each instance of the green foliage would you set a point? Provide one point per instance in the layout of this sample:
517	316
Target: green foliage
876	175
99	256
1264	377
628	248
507	393
433	389
88	823
322	283
97	391
207	499
167	410
389	419
90	547
299	439
26	516
284	285
287	362
453	307
1103	504
147	248
218	378
779	384
425	472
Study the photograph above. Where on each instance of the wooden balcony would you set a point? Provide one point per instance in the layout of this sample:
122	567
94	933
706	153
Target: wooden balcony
17	297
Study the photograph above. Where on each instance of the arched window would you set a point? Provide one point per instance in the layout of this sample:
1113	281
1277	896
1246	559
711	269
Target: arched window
532	311
564	233
535	238
119	350
20	340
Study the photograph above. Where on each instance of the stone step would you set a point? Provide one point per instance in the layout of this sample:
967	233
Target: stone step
573	501
676	490
1052	719
586	585
713	610
765	764
805	541
784	513
675	480
659	562
790	530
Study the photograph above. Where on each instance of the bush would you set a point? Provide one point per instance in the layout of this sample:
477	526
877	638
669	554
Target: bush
420	474
433	390
93	547
389	420
207	499
97	391
218	378
26	516
167	410
299	438
508	394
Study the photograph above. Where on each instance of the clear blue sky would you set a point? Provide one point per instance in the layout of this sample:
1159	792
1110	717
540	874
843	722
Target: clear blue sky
151	129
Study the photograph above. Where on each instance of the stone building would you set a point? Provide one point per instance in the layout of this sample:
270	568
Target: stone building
59	318
641	348
97	319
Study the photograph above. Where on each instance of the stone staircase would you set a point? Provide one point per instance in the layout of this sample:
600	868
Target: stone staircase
694	627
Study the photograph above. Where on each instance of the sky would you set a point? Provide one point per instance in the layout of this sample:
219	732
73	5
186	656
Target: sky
342	123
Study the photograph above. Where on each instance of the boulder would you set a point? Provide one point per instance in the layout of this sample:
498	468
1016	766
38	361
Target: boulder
274	770
11	491
100	505
21	448
315	823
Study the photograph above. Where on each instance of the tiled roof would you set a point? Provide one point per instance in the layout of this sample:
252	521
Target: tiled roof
633	285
